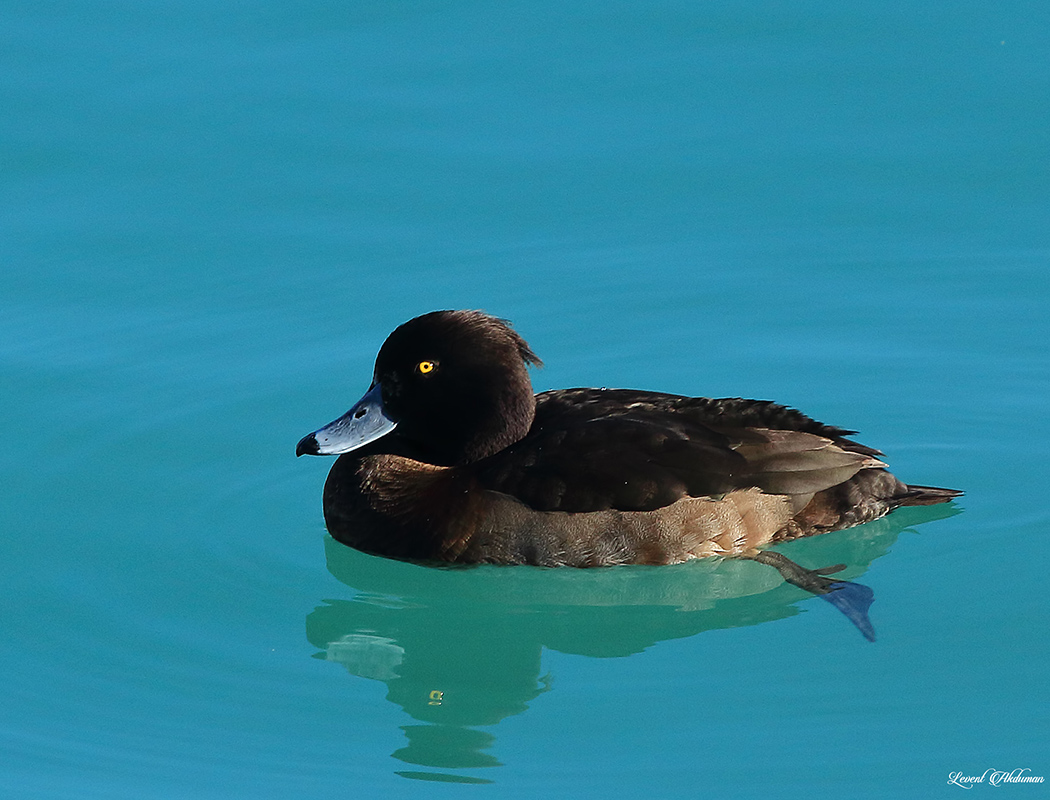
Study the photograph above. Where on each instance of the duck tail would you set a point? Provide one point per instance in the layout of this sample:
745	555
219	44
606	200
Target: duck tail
926	495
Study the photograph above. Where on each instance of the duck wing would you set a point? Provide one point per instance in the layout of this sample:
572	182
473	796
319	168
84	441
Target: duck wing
594	449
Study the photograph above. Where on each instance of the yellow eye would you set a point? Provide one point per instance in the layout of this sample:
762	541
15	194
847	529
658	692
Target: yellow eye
426	367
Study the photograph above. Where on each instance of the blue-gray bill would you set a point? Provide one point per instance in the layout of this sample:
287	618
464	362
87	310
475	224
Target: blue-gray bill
363	423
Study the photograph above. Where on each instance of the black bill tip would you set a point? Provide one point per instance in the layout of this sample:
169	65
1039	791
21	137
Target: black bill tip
307	446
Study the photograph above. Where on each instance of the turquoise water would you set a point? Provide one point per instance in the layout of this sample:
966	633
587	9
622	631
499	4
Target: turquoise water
211	215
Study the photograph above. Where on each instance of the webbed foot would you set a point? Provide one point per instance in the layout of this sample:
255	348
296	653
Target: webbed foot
852	599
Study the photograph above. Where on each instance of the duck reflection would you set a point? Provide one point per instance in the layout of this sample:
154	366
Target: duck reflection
460	648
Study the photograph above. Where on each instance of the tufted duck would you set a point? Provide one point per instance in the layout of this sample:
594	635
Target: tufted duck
449	457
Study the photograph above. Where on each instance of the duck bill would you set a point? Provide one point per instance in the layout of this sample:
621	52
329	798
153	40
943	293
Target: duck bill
363	423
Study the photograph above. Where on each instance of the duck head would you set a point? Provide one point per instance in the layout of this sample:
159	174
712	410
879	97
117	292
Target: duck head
449	387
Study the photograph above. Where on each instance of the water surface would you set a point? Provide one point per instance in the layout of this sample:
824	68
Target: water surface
214	214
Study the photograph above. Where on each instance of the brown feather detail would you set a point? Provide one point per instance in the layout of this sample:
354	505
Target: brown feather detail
417	511
870	494
647	456
794	462
439	503
401	508
437	514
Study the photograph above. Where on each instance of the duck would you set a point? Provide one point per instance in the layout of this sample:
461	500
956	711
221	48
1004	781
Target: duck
450	458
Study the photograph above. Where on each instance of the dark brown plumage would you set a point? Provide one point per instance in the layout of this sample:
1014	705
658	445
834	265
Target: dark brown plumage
450	457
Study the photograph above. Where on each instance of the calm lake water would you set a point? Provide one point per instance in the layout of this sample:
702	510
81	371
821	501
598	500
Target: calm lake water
212	214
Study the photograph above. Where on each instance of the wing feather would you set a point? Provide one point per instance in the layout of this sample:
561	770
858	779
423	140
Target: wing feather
591	450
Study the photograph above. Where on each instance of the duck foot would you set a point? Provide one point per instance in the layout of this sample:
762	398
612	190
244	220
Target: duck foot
852	599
